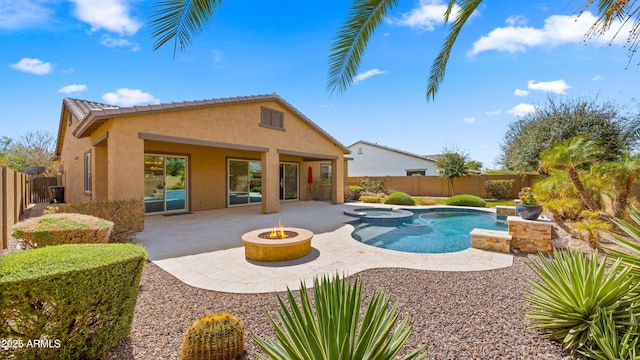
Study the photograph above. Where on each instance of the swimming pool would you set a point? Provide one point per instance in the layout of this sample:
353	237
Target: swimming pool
437	230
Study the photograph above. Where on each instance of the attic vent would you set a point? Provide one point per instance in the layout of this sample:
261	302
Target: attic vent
271	118
359	151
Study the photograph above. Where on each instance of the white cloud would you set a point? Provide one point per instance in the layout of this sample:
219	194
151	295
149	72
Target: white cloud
557	86
522	109
367	74
516	20
110	15
33	66
426	16
597	78
16	14
129	97
557	30
469	120
72	88
520	92
494	112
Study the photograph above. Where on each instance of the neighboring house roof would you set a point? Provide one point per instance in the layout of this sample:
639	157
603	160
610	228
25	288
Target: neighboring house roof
433	158
91	115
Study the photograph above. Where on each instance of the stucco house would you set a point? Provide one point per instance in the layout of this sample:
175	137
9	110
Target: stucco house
370	159
195	155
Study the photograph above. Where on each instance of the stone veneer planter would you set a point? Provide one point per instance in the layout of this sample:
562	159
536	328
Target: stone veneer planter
530	236
259	249
527	236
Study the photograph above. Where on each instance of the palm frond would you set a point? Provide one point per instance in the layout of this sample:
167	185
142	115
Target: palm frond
351	41
467	7
180	21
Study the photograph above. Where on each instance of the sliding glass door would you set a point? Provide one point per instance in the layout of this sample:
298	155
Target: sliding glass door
245	182
288	181
165	183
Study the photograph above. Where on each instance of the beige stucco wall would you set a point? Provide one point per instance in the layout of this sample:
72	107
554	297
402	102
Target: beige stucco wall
72	161
231	124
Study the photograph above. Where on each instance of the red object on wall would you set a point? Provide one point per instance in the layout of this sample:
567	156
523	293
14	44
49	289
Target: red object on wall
310	176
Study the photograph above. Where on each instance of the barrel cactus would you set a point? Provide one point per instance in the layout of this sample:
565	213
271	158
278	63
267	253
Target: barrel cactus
217	336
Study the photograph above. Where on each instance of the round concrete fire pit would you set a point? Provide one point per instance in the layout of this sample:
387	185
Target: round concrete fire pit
259	247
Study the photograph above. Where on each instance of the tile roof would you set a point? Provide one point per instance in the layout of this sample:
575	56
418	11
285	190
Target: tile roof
433	158
91	115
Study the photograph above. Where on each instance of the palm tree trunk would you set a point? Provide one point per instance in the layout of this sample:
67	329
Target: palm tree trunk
623	199
582	191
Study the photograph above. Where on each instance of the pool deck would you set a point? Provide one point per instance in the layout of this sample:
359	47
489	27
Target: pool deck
204	249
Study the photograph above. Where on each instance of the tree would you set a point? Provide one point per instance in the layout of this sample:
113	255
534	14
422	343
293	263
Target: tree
474	165
181	20
32	148
620	175
453	163
572	156
559	121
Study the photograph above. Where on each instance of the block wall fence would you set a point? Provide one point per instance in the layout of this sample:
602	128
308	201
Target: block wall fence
14	200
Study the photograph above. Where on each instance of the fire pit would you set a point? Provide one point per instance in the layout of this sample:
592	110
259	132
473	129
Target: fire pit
277	244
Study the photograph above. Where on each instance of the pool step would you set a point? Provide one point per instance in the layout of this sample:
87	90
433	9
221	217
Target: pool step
493	240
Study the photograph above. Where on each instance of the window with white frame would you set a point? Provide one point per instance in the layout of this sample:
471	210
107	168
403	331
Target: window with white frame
87	172
325	171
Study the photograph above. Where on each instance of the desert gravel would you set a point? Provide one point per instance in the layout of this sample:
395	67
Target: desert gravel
461	315
458	315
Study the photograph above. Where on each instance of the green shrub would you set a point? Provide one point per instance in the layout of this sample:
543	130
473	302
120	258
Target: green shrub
399	198
80	298
370	199
499	189
320	190
357	191
58	229
373	185
257	189
127	215
334	324
466	200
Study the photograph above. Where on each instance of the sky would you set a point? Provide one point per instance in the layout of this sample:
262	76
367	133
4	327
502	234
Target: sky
509	59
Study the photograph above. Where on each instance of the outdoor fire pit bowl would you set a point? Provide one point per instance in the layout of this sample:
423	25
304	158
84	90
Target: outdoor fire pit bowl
259	246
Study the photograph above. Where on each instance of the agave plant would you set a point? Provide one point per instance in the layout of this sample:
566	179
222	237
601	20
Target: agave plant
609	345
332	331
574	291
631	257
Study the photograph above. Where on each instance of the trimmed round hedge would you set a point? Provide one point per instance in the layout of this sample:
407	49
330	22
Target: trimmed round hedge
78	299
57	229
466	200
399	198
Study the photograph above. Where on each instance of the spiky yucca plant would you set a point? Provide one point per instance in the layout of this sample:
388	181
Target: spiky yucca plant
573	289
329	330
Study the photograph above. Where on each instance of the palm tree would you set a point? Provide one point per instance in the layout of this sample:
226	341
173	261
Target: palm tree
621	176
181	20
573	156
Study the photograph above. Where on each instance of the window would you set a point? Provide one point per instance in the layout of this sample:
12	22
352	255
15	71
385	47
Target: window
87	172
416	172
271	118
325	171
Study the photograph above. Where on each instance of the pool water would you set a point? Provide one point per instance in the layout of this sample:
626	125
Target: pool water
431	231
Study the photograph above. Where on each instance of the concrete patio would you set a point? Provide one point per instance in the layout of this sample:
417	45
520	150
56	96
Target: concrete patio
204	249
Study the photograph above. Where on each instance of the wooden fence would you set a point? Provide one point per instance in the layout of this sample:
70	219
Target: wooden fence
15	190
435	186
40	188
